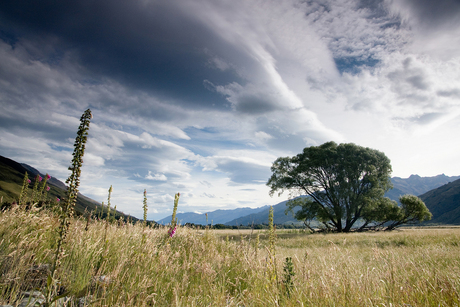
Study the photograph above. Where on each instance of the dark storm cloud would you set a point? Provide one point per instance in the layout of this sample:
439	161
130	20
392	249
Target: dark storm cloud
254	105
433	13
242	172
410	82
418	81
449	93
149	45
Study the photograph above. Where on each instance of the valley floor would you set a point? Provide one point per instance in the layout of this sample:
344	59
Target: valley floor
129	265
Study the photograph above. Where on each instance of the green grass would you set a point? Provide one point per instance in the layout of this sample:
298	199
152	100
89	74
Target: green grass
410	267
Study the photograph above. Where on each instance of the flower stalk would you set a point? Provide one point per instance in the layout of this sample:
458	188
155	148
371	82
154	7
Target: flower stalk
68	206
25	187
145	207
173	228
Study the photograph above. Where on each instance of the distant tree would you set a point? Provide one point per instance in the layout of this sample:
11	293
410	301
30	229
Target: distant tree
345	184
412	210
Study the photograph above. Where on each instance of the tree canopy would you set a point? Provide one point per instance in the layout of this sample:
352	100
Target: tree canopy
345	184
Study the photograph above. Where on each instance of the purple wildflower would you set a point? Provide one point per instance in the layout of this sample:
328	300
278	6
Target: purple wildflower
171	231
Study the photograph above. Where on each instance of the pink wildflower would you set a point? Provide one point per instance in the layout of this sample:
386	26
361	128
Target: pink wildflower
39	178
28	181
48	177
171	231
57	199
47	188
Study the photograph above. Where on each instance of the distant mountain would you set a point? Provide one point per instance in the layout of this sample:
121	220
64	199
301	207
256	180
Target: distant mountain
12	176
414	185
444	203
417	185
214	217
279	217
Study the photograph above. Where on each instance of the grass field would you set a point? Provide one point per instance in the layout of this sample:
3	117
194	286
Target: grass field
129	265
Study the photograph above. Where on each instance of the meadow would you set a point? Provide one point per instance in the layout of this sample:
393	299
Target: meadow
114	264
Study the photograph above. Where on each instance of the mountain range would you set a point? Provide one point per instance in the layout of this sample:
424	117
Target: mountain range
214	217
440	193
416	185
432	190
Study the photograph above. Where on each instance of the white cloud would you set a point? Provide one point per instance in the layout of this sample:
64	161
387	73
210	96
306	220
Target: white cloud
157	177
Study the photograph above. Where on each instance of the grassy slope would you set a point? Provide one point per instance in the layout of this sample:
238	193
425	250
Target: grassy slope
12	176
11	179
444	203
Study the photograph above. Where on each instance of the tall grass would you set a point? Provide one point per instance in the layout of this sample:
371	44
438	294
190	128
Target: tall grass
200	268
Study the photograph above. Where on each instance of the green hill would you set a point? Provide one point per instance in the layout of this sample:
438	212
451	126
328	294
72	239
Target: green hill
444	203
12	177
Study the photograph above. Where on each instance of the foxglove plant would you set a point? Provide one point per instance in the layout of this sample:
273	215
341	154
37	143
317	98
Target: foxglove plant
42	194
108	203
107	220
68	206
35	192
289	274
25	187
172	229
272	274
145	207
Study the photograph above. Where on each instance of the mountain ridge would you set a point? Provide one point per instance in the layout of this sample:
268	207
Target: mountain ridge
12	177
220	216
441	194
414	184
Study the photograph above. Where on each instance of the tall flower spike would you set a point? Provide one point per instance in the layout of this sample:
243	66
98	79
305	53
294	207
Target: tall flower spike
35	197
145	207
25	187
42	190
108	203
73	183
176	202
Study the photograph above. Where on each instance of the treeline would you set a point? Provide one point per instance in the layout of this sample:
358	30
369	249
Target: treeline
257	226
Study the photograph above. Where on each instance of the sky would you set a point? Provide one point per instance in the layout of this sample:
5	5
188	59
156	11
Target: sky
202	96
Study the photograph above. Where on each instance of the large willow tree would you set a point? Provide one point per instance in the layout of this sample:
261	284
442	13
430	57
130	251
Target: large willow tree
345	183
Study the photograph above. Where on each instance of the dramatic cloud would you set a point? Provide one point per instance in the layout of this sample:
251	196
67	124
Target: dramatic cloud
200	97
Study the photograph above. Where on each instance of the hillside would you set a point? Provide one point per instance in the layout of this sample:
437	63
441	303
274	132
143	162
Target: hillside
12	176
417	185
444	203
414	185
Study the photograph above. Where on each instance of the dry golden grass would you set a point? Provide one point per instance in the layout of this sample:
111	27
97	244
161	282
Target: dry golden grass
412	267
